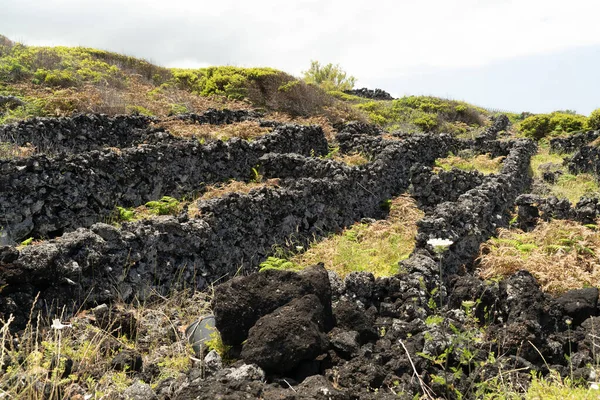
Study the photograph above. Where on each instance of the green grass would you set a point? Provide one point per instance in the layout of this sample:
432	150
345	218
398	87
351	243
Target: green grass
558	389
567	186
375	247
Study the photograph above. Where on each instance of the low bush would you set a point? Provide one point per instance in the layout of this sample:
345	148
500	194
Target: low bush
424	113
542	125
329	77
594	120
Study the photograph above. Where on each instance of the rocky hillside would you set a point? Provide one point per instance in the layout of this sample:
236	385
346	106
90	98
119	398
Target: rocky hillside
230	233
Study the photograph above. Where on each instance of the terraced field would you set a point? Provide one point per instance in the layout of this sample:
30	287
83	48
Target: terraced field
110	250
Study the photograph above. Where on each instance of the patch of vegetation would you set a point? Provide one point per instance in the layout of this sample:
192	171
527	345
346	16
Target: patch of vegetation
353	159
483	163
247	130
329	77
9	151
231	82
84	79
562	255
425	113
594	119
375	247
556	388
557	123
566	185
35	368
165	206
277	263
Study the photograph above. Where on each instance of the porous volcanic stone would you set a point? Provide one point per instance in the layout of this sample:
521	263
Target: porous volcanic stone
239	303
291	334
579	304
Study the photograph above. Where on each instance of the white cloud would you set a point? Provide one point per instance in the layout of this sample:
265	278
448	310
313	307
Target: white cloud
372	40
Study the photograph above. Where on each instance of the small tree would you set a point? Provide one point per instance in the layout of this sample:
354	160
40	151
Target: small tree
329	77
594	120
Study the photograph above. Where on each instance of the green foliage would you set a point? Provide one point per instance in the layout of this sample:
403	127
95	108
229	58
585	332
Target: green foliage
594	119
567	186
347	97
556	123
125	214
433	320
277	263
60	66
228	81
138	110
165	206
329	77
286	87
178	109
27	242
424	113
32	108
216	343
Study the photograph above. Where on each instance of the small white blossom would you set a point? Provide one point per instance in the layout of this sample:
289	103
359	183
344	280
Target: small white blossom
56	324
440	242
439	245
594	386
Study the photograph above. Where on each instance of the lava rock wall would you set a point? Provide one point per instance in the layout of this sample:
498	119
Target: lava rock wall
44	196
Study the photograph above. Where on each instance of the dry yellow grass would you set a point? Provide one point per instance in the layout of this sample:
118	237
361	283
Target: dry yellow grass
483	163
562	255
354	159
322	121
375	247
219	190
11	151
243	130
138	94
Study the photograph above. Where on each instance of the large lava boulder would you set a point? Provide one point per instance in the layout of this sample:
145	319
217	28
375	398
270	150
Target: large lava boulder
241	302
579	304
289	335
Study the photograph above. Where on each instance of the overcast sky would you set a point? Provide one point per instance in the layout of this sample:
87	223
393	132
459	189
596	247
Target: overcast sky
521	55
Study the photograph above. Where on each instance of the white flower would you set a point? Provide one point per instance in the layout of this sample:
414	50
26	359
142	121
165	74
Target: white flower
443	243
56	324
439	245
594	386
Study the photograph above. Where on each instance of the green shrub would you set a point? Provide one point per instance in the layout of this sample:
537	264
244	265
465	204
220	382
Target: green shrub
286	87
556	123
594	120
175	109
329	77
165	206
424	113
138	110
125	214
